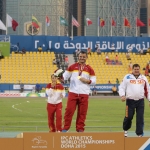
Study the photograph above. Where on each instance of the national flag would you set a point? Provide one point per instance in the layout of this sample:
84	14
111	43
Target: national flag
47	20
88	21
2	26
11	22
101	22
139	23
75	22
126	22
113	23
63	21
35	22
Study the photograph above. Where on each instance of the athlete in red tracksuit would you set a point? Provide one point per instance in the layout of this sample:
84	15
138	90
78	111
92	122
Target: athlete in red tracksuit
55	94
81	77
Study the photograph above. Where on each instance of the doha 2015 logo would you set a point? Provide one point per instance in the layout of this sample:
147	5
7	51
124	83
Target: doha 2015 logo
38	142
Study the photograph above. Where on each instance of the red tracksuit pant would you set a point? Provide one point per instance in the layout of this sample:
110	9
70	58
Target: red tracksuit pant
51	110
80	101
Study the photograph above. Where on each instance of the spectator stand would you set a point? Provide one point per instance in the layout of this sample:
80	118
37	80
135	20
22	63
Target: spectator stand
75	57
112	59
60	59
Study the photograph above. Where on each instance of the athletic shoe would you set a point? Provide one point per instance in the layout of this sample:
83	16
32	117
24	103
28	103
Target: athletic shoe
141	135
64	131
80	131
125	133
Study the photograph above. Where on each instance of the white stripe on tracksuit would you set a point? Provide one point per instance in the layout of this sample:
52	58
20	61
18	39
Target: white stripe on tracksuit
134	88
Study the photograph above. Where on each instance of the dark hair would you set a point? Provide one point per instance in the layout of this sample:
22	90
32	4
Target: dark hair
83	52
135	65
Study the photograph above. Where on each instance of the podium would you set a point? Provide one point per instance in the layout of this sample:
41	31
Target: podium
73	141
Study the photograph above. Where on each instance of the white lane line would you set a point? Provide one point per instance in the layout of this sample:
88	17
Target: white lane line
13	106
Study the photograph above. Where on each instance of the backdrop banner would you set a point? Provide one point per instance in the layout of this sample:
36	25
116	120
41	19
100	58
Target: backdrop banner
67	45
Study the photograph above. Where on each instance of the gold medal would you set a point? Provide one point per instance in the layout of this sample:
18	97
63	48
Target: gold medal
79	77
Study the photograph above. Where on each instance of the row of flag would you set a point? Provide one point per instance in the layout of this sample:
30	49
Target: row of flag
101	22
64	22
10	22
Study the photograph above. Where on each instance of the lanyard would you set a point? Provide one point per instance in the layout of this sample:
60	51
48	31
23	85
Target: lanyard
81	68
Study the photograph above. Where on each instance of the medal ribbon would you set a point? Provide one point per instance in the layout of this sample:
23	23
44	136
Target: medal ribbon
81	68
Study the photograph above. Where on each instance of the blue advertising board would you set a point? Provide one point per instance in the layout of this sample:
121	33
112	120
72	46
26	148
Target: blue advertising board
99	87
68	45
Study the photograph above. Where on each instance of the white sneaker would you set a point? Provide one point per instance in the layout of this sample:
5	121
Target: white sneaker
126	133
139	135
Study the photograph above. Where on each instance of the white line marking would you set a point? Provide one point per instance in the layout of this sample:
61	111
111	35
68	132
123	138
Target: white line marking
13	106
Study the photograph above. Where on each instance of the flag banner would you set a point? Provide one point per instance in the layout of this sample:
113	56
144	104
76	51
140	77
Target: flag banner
11	22
126	22
101	22
63	21
66	44
75	22
139	23
35	22
47	20
113	23
88	22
